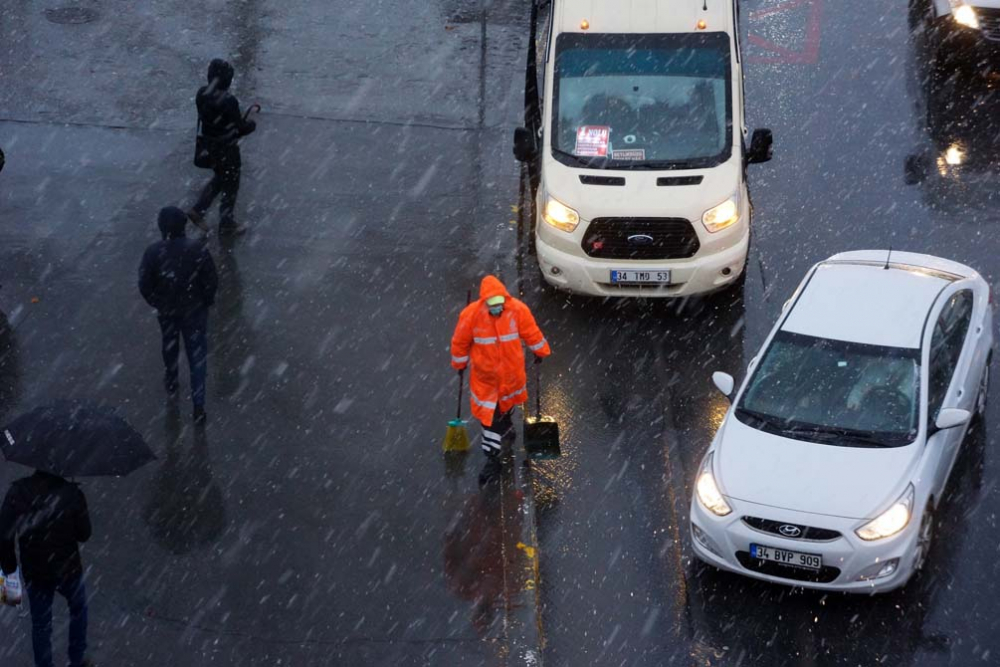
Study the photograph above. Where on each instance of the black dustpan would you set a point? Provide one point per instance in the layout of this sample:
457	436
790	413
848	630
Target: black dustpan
541	434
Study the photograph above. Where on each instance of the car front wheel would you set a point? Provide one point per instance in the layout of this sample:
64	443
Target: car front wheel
924	539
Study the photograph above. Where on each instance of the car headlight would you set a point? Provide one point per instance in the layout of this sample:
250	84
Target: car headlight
724	215
890	521
708	491
964	14
560	216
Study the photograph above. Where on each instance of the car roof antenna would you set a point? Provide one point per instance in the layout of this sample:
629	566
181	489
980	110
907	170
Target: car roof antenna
887	258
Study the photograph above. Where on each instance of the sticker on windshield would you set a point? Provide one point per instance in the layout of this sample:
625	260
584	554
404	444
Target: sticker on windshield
629	154
592	141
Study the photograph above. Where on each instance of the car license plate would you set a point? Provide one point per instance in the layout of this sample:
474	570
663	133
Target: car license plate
786	557
648	277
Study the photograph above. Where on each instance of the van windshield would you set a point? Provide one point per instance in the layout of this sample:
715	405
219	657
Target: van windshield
642	101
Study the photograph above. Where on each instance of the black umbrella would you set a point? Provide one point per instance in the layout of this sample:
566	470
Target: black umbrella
75	440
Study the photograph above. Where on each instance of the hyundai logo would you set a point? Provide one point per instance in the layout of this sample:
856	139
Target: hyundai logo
641	239
788	530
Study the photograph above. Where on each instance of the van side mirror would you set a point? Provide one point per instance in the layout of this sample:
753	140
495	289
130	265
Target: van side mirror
951	418
916	168
525	148
724	382
761	147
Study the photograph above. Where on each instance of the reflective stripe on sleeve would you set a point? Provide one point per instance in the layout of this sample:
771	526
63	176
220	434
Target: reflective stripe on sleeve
538	346
460	360
485	341
506	338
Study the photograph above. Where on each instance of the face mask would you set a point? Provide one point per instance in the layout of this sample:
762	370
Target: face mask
495	311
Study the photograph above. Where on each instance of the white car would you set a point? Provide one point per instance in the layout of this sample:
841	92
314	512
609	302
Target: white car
828	467
960	32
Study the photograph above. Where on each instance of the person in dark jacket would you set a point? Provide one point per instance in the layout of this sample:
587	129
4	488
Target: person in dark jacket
177	277
222	124
48	517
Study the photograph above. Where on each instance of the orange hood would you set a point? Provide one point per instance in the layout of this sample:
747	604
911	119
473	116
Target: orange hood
491	287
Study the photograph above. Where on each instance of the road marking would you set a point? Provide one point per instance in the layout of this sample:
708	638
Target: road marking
811	12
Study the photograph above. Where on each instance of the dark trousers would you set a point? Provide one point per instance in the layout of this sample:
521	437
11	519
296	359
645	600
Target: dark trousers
226	180
493	435
193	328
40	598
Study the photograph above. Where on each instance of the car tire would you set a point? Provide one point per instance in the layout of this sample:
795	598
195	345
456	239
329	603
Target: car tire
925	539
983	396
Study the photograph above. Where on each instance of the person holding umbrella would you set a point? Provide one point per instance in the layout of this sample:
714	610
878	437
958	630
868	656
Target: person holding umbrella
488	337
47	516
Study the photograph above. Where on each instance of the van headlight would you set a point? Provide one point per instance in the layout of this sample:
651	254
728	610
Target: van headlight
964	14
708	491
722	216
559	215
891	521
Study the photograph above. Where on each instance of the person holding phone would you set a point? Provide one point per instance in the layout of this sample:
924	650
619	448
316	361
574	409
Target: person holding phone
222	125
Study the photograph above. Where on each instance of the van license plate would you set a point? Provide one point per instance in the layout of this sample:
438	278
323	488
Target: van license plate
786	557
650	277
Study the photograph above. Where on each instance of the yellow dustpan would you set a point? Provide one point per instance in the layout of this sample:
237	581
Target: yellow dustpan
457	438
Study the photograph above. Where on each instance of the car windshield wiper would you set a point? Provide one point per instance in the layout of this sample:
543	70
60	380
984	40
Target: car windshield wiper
861	437
761	419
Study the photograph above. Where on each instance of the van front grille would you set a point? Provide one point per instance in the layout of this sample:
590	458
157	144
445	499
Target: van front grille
640	238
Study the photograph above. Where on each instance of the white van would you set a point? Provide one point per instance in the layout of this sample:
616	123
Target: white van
642	148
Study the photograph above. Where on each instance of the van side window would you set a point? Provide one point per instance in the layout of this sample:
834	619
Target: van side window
946	347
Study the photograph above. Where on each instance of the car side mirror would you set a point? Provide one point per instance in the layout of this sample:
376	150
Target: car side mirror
915	169
724	382
525	148
952	417
761	147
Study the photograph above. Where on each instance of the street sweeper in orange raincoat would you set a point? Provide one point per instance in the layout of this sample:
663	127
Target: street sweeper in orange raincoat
488	339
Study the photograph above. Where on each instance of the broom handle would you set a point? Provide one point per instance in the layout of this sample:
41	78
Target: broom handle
538	390
461	373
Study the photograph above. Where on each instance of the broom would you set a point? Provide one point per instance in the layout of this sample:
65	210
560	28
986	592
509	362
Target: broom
457	439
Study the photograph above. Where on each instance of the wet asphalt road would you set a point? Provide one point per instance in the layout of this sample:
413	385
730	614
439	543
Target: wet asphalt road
314	521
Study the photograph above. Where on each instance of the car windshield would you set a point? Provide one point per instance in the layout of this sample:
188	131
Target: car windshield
833	392
626	101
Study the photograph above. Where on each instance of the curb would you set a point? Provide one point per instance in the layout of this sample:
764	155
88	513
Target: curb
524	620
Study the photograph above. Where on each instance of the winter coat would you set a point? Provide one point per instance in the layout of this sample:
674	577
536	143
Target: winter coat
492	347
177	275
50	516
222	123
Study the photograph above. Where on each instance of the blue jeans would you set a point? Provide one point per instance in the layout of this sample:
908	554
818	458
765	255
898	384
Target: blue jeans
40	597
193	328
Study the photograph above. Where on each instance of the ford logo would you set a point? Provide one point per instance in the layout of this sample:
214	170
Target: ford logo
788	530
641	239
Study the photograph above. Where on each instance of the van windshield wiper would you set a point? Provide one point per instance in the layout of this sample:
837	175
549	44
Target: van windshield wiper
596	162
